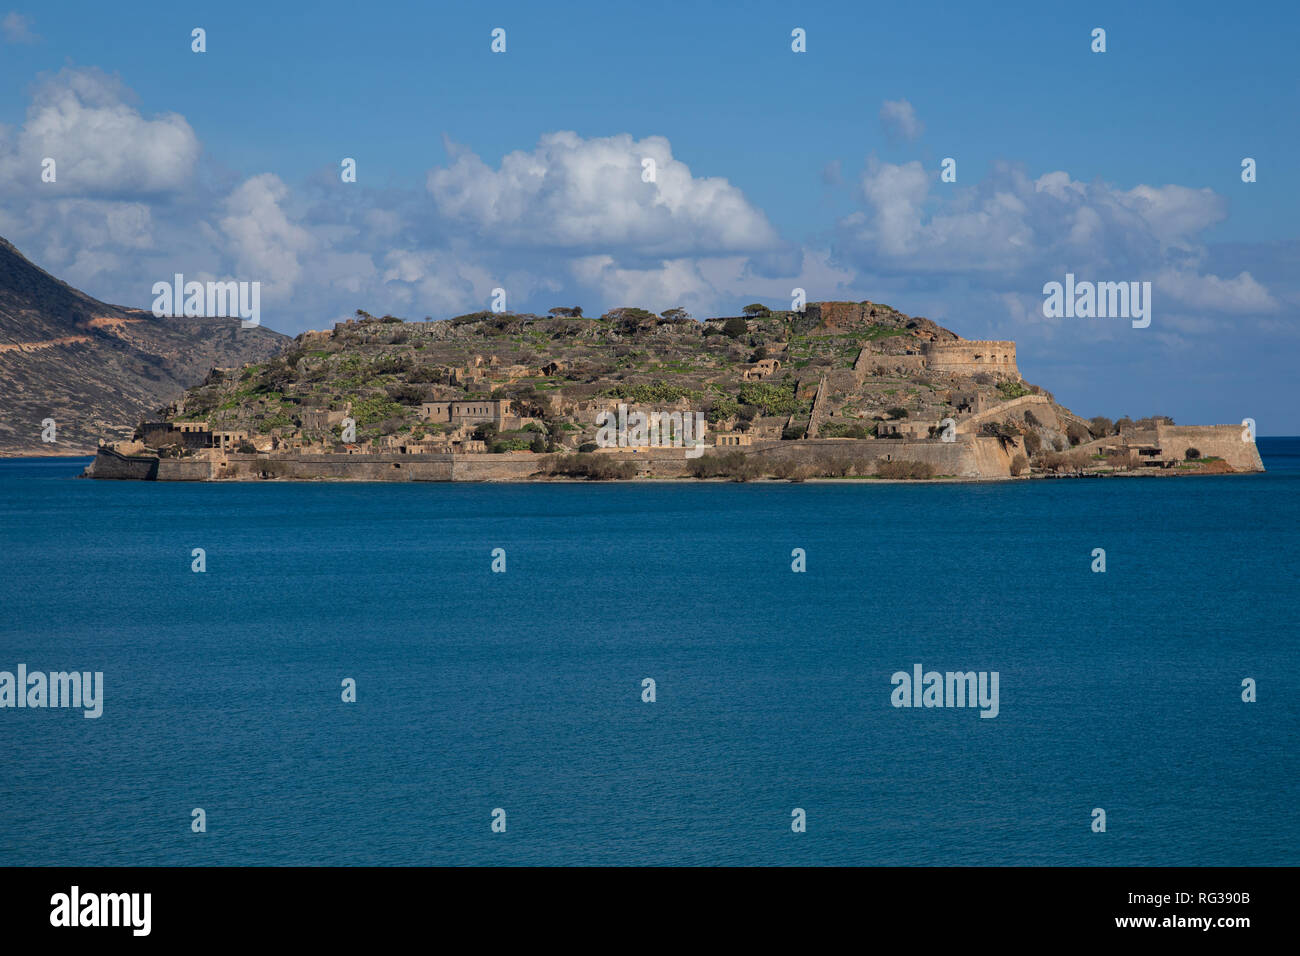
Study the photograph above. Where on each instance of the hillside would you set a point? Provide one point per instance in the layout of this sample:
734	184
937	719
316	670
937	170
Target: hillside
97	368
837	370
841	389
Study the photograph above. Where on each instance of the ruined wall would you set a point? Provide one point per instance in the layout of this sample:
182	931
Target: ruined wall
879	363
1041	407
969	357
1217	441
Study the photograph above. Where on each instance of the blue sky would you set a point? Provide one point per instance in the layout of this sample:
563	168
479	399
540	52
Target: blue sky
521	170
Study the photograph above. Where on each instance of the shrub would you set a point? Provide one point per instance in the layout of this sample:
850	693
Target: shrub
733	464
587	446
1192	454
905	469
1075	460
1019	464
772	398
843	430
898	411
1100	426
838	467
735	327
793	432
722	409
592	467
653	393
1012	389
1077	433
1033	443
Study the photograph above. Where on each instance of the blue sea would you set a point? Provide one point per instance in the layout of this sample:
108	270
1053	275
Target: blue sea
523	690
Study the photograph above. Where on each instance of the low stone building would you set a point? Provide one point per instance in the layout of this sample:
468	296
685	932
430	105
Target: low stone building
762	369
497	411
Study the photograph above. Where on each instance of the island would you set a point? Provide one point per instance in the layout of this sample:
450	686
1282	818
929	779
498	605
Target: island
837	390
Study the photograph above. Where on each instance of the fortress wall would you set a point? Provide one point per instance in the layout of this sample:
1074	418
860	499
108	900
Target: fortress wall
184	469
110	464
996	412
968	357
338	467
966	458
496	467
1218	441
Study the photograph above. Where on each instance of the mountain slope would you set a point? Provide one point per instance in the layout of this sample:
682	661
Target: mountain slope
97	368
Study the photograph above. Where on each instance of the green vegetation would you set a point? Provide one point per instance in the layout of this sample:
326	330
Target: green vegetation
371	411
843	430
735	327
1013	389
771	398
650	393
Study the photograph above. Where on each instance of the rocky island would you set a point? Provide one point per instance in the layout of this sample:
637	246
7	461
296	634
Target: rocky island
838	390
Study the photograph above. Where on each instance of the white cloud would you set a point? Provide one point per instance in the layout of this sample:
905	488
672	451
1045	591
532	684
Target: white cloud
1013	233
17	28
267	247
900	121
101	145
588	195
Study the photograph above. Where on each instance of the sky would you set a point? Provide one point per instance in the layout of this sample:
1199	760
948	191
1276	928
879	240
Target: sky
774	169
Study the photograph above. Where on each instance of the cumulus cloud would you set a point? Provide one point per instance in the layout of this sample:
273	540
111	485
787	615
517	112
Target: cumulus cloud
101	144
17	28
589	195
1011	232
266	245
900	121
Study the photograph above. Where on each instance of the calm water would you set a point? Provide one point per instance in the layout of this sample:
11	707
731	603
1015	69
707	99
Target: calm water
523	690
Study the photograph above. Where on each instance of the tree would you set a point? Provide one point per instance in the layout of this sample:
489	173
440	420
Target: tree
735	327
1100	426
1192	454
675	315
756	310
898	411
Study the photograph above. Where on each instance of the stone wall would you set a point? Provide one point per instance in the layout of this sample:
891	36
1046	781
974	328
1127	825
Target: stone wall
1212	441
969	357
967	457
110	464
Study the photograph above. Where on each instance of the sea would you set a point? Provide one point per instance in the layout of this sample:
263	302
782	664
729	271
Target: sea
611	674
